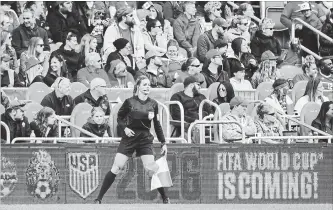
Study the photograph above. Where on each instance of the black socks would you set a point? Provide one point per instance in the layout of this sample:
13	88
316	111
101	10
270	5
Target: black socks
108	180
162	192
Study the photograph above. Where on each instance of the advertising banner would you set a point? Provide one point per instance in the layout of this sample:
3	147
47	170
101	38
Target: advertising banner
70	173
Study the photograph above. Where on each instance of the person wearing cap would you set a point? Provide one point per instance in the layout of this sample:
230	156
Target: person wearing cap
213	69
267	71
92	70
326	47
155	71
17	123
63	19
125	28
238	80
191	98
119	76
279	98
264	40
207	40
239	28
309	68
95	96
233	132
27	30
59	99
191	67
155	39
186	28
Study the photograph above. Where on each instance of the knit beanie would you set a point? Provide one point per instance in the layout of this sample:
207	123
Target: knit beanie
120	43
236	45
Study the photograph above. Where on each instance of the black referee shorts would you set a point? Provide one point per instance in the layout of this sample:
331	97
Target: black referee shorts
141	142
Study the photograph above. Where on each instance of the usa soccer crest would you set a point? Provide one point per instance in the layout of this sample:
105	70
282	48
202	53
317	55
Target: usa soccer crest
8	177
83	173
42	176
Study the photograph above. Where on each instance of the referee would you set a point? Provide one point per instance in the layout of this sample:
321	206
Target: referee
134	118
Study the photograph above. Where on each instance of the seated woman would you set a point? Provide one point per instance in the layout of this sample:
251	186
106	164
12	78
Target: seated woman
238	80
279	98
97	124
58	68
313	93
118	75
246	10
268	123
34	62
45	124
174	60
324	120
154	38
225	92
192	67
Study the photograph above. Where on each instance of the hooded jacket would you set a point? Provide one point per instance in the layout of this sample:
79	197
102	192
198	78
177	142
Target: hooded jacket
186	31
205	43
261	43
22	36
102	101
16	128
96	129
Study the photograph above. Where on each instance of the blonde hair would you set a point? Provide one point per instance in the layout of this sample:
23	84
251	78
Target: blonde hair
137	83
31	52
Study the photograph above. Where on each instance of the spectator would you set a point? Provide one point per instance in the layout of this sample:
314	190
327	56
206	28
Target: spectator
118	75
126	29
225	92
63	21
58	68
158	78
222	46
9	78
204	26
227	12
88	45
174	60
264	40
74	60
97	124
191	67
38	9
279	99
212	72
122	53
246	10
313	93
232	131
268	123
34	62
17	123
326	71
95	96
267	71
207	40
238	80
191	99
242	53
154	38
293	56
27	30
45	123
325	6
6	48
213	10
326	47
92	70
172	10
324	120
186	28
5	23
240	28
309	38
59	99
309	70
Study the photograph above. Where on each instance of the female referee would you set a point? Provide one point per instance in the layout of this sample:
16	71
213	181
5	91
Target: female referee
134	117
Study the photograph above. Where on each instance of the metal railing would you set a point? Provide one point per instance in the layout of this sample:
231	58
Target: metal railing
7	132
319	33
182	117
288	138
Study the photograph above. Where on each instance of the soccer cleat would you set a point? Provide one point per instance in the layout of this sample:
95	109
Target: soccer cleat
166	200
97	201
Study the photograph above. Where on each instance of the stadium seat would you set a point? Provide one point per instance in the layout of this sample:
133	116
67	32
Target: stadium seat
2	109
211	93
77	89
32	109
16	93
289	71
113	120
225	108
37	91
308	114
298	90
175	89
264	89
79	117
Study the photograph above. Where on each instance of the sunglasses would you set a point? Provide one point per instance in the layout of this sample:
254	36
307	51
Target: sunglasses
196	65
224	28
222	89
130	15
158	26
218	9
271	114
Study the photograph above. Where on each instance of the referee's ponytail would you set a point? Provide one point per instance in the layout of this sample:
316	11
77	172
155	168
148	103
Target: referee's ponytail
137	83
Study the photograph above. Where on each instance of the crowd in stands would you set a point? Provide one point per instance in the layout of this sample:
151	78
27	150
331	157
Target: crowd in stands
107	44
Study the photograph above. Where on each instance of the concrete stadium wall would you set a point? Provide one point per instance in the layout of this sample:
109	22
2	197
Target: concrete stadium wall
201	174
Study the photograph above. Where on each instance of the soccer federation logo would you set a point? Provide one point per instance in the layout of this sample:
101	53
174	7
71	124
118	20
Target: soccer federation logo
42	175
8	177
